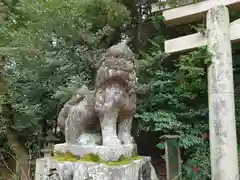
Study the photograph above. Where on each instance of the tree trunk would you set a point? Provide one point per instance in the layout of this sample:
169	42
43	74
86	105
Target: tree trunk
21	154
3	79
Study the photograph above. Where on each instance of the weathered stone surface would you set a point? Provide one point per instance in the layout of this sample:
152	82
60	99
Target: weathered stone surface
109	109
89	139
222	123
136	170
105	153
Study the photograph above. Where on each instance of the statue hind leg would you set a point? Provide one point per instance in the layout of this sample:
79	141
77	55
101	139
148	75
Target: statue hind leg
70	133
75	124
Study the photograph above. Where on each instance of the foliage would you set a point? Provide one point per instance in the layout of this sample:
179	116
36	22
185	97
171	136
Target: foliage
53	48
177	102
200	160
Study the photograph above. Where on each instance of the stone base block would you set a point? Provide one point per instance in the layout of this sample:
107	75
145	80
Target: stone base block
49	169
105	153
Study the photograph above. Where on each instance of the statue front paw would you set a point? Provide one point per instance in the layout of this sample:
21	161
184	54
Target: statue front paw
126	138
111	141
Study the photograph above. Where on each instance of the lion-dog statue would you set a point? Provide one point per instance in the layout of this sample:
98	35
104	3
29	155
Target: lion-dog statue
109	109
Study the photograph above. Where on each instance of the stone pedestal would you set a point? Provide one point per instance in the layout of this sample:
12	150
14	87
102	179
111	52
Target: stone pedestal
50	169
105	153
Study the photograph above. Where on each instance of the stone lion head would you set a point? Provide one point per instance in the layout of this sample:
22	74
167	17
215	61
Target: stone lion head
117	66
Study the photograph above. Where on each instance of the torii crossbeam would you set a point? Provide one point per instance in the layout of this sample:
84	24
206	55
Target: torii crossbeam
220	35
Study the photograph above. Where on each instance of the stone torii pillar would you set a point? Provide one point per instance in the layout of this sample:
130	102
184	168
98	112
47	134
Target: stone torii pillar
220	33
223	140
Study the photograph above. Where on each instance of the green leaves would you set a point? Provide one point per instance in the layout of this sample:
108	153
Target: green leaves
187	141
192	64
177	101
199	160
53	47
159	121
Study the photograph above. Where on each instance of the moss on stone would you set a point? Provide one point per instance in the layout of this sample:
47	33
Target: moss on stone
94	158
123	161
90	158
66	157
134	153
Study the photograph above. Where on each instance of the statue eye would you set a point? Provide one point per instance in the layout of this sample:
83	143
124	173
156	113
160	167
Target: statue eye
117	55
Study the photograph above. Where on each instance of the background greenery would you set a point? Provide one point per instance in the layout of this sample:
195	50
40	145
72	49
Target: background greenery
52	47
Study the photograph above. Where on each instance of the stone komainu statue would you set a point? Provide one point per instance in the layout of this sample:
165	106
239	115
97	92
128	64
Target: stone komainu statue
115	95
110	108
